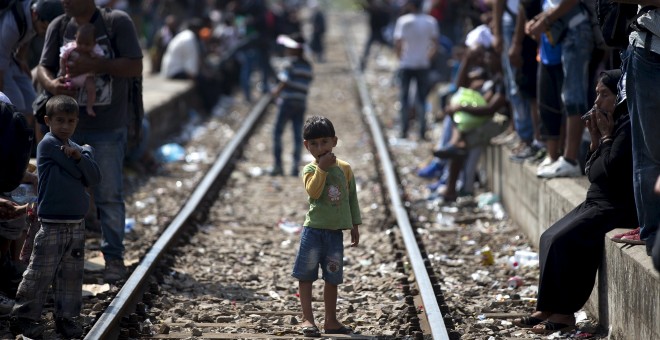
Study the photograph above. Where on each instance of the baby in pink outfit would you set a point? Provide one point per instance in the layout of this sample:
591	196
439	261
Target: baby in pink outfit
85	43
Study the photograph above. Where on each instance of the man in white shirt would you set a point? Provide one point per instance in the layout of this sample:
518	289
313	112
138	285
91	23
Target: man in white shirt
182	59
415	42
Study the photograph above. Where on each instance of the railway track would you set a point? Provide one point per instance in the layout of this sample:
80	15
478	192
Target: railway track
222	268
216	300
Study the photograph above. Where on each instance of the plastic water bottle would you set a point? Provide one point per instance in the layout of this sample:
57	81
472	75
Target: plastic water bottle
24	193
129	225
171	152
526	258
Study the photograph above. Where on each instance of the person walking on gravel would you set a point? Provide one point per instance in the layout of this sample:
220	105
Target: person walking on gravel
65	170
291	94
333	207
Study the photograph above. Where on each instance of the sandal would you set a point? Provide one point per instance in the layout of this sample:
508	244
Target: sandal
527	321
311	332
549	327
340	330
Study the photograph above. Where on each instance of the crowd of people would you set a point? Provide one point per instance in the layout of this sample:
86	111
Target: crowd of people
537	62
541	64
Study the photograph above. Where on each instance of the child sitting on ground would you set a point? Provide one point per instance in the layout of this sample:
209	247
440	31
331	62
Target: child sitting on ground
333	207
85	43
65	170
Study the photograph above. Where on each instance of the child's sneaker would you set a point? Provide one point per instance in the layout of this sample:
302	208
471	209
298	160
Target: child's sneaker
28	328
68	328
432	170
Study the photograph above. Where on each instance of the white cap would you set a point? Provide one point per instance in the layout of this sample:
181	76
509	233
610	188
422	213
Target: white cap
479	36
4	98
287	42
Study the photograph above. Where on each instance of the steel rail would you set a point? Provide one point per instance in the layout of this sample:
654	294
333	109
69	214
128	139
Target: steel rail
108	323
435	319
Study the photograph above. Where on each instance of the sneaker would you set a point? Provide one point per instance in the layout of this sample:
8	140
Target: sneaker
68	328
631	239
524	153
432	170
277	171
617	237
6	304
547	161
115	270
540	155
560	168
294	172
27	327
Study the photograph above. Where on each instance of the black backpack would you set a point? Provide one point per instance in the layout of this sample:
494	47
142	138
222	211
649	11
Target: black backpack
15	147
16	8
617	20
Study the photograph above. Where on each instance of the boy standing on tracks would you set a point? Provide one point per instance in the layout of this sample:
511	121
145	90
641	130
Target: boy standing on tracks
292	92
333	207
65	170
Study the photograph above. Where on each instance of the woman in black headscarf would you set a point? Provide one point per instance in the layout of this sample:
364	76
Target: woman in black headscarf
572	248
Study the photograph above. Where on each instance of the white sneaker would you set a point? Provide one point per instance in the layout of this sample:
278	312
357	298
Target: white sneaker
560	168
547	161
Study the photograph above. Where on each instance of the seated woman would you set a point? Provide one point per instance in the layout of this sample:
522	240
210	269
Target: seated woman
572	248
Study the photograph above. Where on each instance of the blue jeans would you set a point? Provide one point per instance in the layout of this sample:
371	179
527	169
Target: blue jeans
522	110
320	248
109	149
421	80
641	68
248	59
19	89
576	49
294	112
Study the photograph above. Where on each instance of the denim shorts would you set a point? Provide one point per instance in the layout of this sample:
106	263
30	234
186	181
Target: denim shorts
320	247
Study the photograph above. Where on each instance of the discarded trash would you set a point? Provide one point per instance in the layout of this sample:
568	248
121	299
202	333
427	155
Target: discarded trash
514	282
498	211
445	219
289	226
526	258
170	152
149	219
129	225
486	199
256	171
487	258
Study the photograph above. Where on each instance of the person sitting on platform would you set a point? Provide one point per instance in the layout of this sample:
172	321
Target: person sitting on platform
572	248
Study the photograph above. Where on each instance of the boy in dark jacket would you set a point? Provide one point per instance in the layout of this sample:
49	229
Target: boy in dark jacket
65	170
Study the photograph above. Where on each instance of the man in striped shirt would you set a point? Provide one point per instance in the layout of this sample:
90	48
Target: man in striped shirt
292	91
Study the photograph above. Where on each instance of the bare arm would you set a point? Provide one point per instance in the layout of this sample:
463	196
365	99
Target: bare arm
120	67
541	22
498	11
52	84
398	47
515	50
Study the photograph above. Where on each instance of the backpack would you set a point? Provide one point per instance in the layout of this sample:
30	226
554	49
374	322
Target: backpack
617	20
16	8
15	147
135	101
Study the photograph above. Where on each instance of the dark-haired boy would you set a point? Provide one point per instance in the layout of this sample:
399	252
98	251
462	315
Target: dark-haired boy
333	207
65	170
